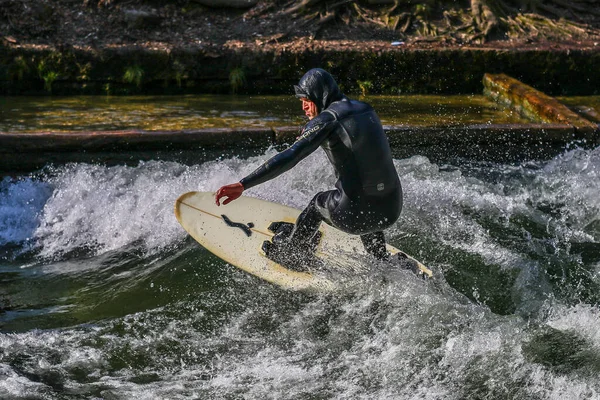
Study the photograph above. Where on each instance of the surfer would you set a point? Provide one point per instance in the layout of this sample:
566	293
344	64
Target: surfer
367	197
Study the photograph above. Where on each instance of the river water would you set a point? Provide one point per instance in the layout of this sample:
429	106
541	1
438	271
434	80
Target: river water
103	294
91	113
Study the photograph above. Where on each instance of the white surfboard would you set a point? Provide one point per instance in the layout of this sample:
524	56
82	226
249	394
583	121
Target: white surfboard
236	232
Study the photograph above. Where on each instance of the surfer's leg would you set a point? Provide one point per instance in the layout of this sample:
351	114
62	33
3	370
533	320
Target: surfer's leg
303	235
375	245
307	224
291	247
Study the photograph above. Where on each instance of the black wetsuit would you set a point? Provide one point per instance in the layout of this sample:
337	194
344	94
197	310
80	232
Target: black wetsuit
368	194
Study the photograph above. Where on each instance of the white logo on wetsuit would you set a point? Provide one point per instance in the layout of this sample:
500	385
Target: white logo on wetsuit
308	132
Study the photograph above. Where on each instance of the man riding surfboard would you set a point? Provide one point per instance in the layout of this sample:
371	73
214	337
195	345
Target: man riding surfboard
367	197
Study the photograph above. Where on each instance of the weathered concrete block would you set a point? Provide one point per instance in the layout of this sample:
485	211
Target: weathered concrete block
532	103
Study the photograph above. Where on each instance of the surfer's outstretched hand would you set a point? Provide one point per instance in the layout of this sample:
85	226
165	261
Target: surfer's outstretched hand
232	192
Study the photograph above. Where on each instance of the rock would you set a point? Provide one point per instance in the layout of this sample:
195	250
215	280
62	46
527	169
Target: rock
9	39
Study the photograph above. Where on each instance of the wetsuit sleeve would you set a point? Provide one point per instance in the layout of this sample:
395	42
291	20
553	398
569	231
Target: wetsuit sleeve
313	134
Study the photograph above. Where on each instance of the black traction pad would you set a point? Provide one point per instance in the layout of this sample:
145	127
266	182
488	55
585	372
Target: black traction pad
280	226
291	257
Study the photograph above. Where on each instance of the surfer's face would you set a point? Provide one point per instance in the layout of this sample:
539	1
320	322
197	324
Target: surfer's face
309	108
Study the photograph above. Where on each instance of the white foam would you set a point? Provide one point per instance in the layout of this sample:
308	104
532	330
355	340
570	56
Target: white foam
15	386
400	340
439	204
21	202
104	209
101	209
583	319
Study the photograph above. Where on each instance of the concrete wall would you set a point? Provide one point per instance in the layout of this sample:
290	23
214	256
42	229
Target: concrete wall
30	151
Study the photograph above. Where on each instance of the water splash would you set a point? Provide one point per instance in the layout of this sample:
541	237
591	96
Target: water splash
21	202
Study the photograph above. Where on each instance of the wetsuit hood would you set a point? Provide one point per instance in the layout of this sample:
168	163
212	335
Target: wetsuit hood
319	87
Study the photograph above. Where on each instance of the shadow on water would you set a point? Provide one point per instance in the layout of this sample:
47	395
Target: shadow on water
563	352
82	289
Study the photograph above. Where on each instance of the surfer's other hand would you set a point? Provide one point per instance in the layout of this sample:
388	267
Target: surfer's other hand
232	192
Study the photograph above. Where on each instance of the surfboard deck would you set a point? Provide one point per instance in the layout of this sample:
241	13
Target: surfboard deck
236	232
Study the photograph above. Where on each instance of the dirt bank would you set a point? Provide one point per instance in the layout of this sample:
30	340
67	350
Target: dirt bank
176	24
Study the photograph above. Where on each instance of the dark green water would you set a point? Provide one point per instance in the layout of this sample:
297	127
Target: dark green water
104	296
26	114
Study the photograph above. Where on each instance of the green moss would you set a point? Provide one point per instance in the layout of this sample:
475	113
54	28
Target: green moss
179	72
422	10
83	71
365	87
134	74
237	79
47	74
49	77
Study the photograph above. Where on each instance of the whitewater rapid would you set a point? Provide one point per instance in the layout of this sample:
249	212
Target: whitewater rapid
106	296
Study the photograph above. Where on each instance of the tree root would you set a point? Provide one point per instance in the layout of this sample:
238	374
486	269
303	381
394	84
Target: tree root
485	19
323	19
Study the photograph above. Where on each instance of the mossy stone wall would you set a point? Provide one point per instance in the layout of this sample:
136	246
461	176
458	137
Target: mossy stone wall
136	70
